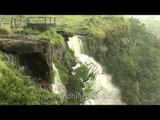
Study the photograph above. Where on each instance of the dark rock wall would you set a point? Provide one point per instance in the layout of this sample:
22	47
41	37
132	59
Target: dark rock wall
40	26
36	56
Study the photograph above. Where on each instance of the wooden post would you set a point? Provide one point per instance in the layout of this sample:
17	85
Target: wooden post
11	23
20	22
45	23
14	22
0	22
38	20
50	20
27	20
55	21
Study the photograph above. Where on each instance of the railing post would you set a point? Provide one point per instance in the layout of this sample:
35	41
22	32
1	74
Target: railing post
45	23
55	21
11	23
50	20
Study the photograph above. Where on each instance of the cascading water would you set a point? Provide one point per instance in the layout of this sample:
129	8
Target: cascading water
106	92
58	86
75	44
13	59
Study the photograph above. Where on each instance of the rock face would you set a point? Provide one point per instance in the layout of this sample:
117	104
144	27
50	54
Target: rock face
35	55
65	34
22	45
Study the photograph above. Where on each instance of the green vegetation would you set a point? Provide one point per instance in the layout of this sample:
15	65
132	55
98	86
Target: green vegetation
30	31
54	38
29	94
69	58
127	48
152	24
17	89
76	81
5	31
50	35
78	85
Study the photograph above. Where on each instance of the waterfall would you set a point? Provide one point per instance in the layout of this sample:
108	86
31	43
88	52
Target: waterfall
75	44
13	58
106	92
57	86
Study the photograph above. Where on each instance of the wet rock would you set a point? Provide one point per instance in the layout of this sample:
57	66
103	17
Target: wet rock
22	45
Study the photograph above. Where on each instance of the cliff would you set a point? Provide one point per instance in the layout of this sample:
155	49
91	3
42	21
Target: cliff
23	44
35	55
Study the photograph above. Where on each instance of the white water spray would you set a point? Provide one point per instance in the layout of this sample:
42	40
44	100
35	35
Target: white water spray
13	58
58	86
106	92
76	45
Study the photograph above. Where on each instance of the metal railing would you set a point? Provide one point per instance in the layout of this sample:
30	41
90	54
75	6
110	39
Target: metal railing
21	22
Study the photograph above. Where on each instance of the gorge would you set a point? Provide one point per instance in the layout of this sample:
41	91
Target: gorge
37	62
105	91
83	60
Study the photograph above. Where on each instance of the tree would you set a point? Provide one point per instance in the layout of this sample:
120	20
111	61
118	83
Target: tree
17	89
